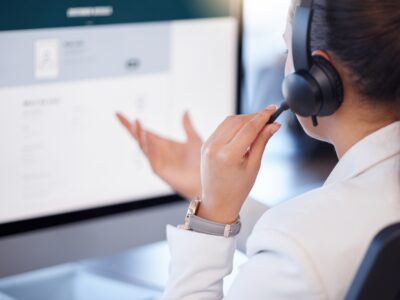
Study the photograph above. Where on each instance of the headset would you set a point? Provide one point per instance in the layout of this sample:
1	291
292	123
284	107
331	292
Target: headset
315	88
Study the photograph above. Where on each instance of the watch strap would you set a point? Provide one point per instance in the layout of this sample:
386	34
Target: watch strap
201	225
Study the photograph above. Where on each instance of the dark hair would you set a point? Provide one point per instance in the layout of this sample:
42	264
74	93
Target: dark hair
364	35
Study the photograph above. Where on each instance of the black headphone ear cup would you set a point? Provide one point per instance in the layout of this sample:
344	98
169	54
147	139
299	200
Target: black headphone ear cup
330	84
302	94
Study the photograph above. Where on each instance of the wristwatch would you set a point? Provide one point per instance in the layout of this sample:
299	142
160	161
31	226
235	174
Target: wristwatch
197	224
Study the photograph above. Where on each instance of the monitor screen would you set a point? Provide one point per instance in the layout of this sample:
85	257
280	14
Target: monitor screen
68	66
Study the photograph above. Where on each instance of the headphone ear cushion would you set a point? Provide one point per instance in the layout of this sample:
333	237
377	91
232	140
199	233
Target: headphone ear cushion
302	94
330	83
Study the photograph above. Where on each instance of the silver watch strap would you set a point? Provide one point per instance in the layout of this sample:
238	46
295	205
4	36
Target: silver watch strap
201	225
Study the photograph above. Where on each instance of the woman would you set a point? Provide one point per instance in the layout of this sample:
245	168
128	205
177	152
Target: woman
309	247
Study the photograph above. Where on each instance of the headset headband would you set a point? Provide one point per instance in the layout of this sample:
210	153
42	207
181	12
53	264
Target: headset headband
301	36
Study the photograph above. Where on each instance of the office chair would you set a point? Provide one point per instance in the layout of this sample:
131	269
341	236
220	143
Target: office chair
378	276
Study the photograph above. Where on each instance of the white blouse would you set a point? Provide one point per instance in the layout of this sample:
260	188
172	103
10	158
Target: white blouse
307	248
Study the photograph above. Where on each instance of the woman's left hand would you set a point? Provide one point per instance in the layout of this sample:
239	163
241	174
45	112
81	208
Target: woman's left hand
230	162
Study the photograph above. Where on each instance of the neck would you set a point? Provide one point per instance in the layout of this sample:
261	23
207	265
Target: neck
354	130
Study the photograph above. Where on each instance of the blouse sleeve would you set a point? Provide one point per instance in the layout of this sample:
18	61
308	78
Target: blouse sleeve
199	263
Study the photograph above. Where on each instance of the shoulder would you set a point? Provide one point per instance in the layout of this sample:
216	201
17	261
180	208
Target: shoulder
368	200
328	230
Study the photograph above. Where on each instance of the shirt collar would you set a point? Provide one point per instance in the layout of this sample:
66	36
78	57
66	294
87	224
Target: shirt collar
371	150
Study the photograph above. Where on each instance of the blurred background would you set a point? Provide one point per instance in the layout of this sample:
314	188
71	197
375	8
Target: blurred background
293	164
293	160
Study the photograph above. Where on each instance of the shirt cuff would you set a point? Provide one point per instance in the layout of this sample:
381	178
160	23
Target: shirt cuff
199	262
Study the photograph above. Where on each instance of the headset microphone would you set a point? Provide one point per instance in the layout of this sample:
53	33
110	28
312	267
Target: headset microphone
283	107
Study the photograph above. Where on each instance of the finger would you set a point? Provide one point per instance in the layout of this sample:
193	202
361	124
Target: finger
151	148
227	130
159	150
153	140
258	147
141	136
246	136
189	129
127	124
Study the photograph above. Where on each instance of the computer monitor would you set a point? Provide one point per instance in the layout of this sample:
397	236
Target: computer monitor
65	161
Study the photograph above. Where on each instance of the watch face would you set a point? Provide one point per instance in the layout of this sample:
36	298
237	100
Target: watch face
192	209
194	206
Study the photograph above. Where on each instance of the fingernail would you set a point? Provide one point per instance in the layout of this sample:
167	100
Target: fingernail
275	128
271	107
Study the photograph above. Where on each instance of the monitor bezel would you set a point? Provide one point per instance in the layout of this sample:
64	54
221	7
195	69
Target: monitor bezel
38	223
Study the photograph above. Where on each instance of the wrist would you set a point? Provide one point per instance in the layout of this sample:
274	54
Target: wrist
217	214
209	223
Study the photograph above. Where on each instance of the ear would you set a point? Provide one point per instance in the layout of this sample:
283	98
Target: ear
339	68
322	54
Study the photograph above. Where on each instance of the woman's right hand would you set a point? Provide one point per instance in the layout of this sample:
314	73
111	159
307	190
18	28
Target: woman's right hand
178	164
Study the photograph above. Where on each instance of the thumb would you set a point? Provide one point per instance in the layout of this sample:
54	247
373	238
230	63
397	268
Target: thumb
258	147
189	129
